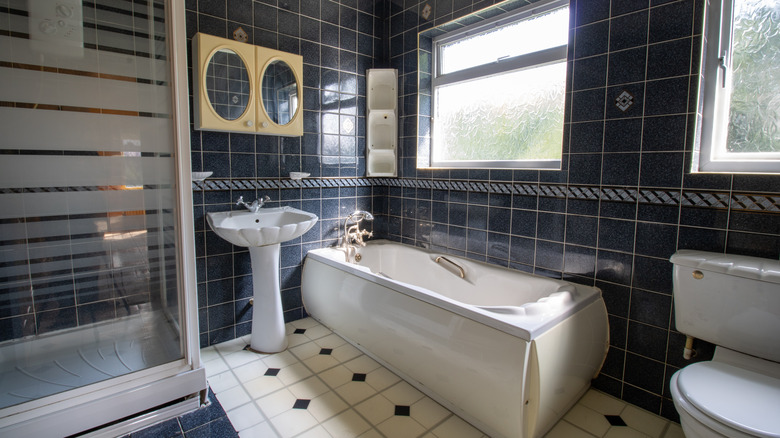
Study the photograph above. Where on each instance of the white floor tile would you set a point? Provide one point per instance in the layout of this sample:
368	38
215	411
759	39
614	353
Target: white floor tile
223	381
327	406
262	386
674	431
233	398
215	366
293	422
362	364
624	432
455	427
428	413
567	430
320	362
309	388
293	373
355	392
250	371
648	423
305	351
602	403
241	357
276	403
245	416
588	419
317	332
262	430
348	424
381	379
337	376
376	410
403	393
330	341
345	353
208	353
280	360
228	347
317	432
401	427
371	433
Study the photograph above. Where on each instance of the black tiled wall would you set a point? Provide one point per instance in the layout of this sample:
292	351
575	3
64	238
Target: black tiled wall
625	200
338	42
623	203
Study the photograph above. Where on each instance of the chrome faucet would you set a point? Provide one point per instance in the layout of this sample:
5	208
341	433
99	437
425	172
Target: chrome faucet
256	204
353	235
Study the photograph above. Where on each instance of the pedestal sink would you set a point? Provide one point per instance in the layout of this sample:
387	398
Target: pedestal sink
263	232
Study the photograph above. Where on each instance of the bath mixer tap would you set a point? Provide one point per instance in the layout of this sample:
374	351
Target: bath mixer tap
353	235
255	206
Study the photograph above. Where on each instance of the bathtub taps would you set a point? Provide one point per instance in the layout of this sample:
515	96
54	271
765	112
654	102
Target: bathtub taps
256	204
353	235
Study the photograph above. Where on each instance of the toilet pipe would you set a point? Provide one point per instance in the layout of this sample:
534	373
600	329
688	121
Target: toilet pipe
688	352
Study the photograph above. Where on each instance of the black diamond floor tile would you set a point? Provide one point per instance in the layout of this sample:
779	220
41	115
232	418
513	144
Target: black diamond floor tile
403	411
272	372
615	420
326	351
358	377
301	403
299	331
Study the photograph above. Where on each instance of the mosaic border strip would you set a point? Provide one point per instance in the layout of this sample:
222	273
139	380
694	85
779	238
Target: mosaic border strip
737	201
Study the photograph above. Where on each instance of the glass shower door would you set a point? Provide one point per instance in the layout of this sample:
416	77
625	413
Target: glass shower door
88	196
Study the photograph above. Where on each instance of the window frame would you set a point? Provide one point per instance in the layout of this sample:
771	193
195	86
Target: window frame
507	65
714	99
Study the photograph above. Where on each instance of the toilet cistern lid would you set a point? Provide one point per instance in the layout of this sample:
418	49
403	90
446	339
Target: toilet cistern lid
744	400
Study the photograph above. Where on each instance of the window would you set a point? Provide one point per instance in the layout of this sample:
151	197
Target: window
497	90
738	120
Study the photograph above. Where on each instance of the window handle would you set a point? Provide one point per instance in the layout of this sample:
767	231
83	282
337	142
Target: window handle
723	64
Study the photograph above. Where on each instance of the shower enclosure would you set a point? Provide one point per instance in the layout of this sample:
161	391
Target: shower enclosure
97	303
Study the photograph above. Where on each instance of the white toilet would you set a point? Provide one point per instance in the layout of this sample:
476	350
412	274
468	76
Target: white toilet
733	302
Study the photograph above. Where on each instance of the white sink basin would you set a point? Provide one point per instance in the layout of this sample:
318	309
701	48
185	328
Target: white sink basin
263	232
268	226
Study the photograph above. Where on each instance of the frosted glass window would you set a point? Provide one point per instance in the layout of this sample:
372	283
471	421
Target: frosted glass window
498	91
540	32
514	116
739	117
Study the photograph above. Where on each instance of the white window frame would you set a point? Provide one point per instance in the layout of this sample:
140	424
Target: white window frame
500	66
715	87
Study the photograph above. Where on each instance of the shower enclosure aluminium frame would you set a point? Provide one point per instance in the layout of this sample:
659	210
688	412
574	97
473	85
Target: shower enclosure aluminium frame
180	385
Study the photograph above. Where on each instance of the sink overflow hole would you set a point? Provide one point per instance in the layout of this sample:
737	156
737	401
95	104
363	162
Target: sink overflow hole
257	221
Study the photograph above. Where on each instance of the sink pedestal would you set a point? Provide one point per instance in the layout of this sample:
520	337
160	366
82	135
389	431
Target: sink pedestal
268	333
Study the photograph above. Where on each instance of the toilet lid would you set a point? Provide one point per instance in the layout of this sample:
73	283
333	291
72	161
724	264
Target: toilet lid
739	398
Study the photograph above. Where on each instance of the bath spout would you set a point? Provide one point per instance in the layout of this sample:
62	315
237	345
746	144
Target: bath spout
353	235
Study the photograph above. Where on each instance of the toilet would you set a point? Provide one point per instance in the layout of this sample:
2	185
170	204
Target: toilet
733	302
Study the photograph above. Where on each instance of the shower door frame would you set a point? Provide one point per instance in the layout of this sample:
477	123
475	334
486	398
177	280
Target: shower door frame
121	400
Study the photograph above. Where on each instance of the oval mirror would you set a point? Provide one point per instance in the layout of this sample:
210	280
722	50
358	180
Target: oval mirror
279	92
227	84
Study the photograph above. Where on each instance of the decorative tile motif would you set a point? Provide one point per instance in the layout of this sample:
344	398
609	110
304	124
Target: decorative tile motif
299	331
736	201
624	101
272	372
326	351
240	35
426	11
358	377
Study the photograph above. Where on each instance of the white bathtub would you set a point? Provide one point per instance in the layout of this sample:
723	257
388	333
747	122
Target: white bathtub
508	352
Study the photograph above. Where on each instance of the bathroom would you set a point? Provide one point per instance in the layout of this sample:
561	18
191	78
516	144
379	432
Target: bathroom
624	202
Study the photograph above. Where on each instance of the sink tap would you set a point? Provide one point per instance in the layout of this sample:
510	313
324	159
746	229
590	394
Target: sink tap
256	204
353	235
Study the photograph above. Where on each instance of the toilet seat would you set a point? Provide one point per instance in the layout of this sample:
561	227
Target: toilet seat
731	397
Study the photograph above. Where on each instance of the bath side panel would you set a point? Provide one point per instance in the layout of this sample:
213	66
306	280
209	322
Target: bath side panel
474	370
563	362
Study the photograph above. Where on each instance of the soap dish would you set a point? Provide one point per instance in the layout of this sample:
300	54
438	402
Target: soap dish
299	175
200	176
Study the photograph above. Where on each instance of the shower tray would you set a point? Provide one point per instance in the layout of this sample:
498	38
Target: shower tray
63	361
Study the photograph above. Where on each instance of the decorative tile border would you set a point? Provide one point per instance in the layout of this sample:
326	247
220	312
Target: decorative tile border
720	200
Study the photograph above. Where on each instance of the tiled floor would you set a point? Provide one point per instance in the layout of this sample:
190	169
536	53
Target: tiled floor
323	386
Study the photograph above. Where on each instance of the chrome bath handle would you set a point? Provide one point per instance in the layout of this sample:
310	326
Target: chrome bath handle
460	268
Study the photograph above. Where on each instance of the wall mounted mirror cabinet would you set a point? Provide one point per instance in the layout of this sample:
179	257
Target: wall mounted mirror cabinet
238	87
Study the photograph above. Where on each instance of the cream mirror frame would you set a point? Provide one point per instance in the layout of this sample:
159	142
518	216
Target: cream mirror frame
208	103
